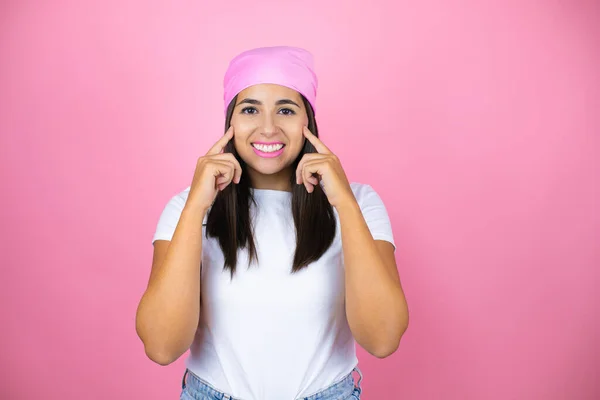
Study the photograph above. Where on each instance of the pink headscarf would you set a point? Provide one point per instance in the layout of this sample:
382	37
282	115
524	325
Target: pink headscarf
291	67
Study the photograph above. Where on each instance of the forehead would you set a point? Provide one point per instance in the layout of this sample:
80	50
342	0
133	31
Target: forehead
269	91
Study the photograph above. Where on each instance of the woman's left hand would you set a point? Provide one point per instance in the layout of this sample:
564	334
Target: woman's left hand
329	170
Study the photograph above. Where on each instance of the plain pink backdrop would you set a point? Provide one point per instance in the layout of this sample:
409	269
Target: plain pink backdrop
477	122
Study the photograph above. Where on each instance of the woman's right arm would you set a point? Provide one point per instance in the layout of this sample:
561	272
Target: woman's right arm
169	311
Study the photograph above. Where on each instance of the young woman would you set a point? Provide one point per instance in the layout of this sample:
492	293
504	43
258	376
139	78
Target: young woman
271	265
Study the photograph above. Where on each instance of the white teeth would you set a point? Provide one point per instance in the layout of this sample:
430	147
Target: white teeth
268	148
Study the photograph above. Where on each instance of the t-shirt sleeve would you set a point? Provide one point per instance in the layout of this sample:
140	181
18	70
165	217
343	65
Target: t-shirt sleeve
169	218
375	213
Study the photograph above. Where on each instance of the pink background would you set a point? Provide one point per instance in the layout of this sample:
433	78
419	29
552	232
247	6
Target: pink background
479	125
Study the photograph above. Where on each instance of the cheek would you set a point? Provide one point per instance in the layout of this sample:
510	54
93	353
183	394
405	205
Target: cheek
296	141
239	142
242	126
293	130
241	131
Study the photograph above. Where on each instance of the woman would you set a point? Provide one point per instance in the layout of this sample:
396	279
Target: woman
271	264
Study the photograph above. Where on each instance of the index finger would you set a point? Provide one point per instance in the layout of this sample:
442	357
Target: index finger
221	143
321	148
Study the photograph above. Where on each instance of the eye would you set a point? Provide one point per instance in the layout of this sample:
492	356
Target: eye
249	110
287	111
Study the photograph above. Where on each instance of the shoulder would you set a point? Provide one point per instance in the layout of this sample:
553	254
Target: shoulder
170	215
374	211
183	195
360	188
179	198
365	194
175	204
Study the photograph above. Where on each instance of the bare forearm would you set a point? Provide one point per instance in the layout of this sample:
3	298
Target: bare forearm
169	311
375	304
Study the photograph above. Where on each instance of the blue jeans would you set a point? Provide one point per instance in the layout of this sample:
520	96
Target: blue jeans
194	388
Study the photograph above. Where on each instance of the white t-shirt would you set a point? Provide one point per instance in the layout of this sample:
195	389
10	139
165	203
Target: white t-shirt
267	334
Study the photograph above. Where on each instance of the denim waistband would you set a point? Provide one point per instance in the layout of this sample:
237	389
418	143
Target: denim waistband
341	389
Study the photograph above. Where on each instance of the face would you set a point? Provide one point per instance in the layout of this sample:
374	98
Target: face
268	121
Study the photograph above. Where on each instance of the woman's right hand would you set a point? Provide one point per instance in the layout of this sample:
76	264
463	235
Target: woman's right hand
214	171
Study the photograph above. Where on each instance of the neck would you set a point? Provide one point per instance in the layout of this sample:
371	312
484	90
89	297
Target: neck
279	181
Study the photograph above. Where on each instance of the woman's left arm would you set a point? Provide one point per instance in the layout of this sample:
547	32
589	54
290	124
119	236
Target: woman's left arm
376	307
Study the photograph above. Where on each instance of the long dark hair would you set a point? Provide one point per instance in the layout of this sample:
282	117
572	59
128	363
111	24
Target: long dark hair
229	217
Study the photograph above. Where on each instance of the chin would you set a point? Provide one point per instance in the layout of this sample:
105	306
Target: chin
267	168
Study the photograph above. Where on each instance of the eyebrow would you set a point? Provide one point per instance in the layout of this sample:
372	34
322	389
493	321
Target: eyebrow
258	103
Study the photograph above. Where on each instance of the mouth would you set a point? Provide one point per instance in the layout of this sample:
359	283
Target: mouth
268	150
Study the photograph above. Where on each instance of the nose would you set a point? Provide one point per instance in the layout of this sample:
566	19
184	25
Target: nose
269	128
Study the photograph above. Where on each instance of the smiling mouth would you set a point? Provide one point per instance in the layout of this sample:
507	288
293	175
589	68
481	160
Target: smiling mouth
268	148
